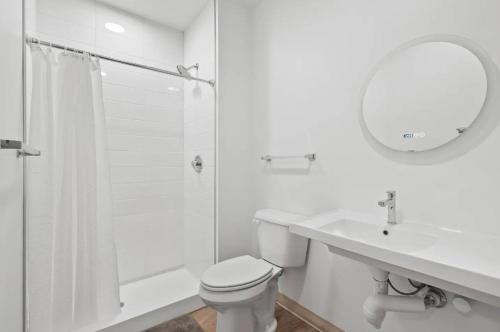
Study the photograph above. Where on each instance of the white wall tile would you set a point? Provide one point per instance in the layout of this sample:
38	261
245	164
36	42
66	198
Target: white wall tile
120	74
140	143
119	126
140	158
123	93
161	83
107	40
127	174
58	27
65	41
163	51
141	190
77	11
130	247
199	136
156	205
163	243
163	99
148	243
123	110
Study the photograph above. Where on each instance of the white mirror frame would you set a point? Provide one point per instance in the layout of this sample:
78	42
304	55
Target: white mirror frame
485	122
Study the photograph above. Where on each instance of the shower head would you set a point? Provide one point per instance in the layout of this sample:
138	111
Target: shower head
185	71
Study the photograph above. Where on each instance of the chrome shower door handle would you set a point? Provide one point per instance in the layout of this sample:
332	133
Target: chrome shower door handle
197	164
23	150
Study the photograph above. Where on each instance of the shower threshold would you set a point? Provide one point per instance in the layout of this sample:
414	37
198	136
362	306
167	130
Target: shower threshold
151	301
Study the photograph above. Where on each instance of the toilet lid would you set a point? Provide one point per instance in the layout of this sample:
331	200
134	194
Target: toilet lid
236	273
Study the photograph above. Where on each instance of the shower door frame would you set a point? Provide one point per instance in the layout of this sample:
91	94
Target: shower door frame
25	220
216	133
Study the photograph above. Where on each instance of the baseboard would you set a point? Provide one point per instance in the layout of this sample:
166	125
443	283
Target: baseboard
306	315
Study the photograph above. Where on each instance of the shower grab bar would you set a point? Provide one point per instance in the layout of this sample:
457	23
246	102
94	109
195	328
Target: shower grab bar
309	156
23	150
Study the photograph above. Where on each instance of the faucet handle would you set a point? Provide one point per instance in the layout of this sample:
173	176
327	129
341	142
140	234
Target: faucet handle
390	203
391	199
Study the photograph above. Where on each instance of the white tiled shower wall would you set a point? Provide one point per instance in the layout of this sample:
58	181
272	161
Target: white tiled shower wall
144	112
199	139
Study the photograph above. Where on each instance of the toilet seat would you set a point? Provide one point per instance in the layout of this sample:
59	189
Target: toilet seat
236	274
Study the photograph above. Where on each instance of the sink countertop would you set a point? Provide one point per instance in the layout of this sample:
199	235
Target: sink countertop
470	261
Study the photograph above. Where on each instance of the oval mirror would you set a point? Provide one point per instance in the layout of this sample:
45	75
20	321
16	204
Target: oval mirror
424	96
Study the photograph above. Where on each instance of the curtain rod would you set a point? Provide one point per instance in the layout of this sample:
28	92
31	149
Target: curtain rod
32	40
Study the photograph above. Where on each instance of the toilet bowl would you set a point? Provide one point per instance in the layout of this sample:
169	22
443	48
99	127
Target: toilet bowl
243	290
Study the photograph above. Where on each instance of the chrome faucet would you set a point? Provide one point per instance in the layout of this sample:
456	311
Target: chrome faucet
390	203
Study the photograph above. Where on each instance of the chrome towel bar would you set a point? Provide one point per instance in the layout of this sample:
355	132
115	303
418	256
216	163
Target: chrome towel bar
309	156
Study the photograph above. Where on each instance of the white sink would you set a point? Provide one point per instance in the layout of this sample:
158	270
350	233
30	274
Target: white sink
396	238
463	263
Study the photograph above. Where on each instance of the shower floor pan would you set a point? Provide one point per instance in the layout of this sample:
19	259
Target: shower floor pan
149	302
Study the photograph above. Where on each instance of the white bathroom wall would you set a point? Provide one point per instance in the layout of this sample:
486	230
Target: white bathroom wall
310	59
144	112
11	167
236	199
199	139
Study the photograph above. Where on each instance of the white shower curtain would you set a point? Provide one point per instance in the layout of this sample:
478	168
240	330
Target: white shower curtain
72	267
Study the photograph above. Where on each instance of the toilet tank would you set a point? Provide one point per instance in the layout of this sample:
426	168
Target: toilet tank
276	244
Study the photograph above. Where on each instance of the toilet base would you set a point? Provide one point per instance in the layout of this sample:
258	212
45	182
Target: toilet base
255	316
235	320
273	326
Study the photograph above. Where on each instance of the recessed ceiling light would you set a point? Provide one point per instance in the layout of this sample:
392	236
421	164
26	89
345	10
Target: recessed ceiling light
173	88
103	73
115	27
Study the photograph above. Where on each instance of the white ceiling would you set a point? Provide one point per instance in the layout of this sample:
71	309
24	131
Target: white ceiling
177	14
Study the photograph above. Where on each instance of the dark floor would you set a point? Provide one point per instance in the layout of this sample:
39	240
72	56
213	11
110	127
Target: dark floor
204	320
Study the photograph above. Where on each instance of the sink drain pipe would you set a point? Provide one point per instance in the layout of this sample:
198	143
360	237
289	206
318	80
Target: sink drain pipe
377	305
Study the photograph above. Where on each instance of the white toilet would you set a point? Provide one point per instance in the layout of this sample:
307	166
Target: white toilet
243	289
